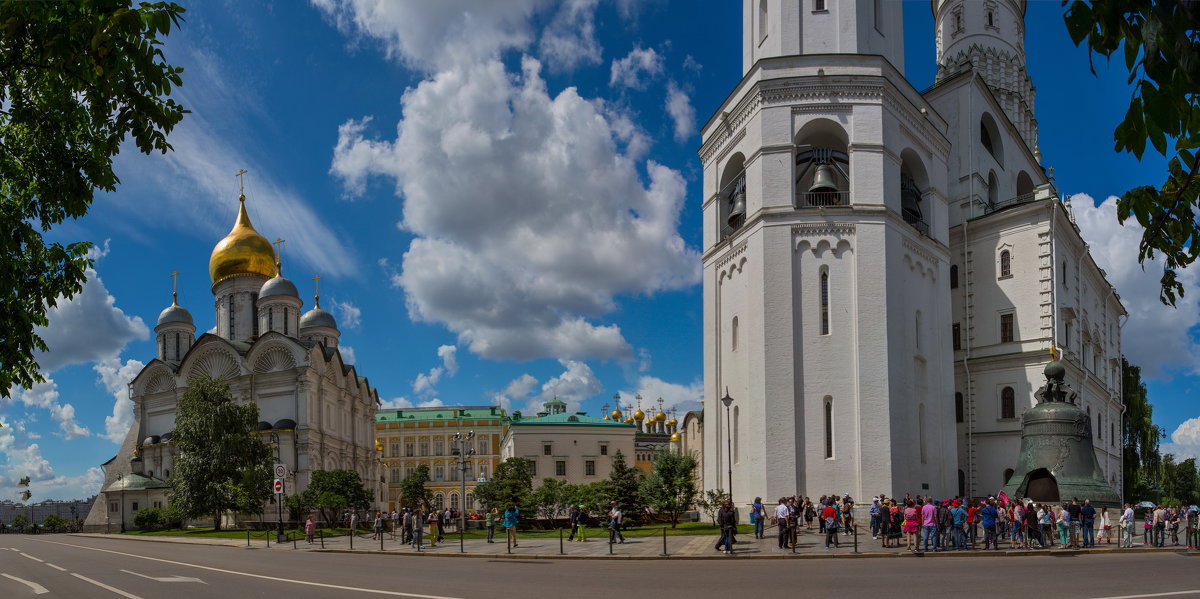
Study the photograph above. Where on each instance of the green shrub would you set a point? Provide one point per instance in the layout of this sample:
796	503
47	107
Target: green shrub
149	518
172	516
53	522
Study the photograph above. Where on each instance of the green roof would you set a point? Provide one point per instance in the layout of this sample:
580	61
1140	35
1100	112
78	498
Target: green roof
440	413
567	420
136	482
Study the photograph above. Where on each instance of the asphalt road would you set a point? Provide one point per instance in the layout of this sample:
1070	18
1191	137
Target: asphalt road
65	566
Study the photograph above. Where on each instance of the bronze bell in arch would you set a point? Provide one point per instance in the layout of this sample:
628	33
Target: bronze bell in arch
739	207
823	180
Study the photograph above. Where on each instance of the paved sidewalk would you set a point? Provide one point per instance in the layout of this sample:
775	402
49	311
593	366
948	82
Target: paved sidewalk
811	546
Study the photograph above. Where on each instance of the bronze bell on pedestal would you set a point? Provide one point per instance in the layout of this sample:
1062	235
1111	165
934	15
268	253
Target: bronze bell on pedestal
1057	460
739	207
823	180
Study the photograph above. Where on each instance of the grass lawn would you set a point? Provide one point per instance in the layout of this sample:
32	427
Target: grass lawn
229	533
684	529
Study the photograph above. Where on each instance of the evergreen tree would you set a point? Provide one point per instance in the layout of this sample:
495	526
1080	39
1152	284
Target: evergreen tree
222	465
671	486
624	487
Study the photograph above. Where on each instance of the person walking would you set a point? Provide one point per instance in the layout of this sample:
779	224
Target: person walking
1160	526
354	522
1064	526
512	516
615	519
810	513
1105	535
418	527
830	518
987	517
573	521
757	517
929	524
912	521
782	513
310	528
727	522
581	522
489	522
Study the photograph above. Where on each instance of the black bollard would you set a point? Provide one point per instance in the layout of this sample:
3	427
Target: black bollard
268	537
294	546
322	535
561	551
855	529
665	554
247	537
381	540
610	543
352	538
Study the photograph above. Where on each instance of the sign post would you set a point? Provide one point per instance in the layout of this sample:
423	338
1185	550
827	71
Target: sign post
278	488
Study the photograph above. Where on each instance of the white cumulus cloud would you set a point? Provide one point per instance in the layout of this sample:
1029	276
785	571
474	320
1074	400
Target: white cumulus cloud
45	396
349	315
1156	337
88	327
449	356
636	69
674	395
1185	441
569	41
679	106
115	377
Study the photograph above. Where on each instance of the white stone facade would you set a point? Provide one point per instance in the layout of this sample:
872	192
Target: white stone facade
837	199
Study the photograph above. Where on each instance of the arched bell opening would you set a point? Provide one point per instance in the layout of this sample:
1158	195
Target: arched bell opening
1040	486
822	165
732	196
914	181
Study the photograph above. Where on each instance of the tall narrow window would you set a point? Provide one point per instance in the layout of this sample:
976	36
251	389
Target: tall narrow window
163	350
958	408
737	436
178	356
1006	328
762	20
879	16
917	329
956	336
1008	403
285	321
990	20
733	334
1066	342
254	303
560	468
921	431
828	427
824	302
1100	426
1005	264
1064	274
231	316
954	276
271	319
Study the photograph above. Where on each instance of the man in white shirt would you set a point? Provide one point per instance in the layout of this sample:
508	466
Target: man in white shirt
783	513
1126	524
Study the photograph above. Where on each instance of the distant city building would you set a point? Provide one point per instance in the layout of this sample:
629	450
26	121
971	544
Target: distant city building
886	268
411	437
287	363
37	512
575	448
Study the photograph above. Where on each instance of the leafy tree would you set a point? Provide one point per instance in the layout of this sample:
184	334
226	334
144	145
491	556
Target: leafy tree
336	490
172	517
711	503
624	487
552	497
76	80
54	522
1139	435
593	496
219	456
671	486
511	484
20	521
413	493
148	519
1157	40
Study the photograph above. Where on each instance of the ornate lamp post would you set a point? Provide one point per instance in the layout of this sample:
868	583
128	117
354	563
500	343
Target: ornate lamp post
121	479
727	400
463	453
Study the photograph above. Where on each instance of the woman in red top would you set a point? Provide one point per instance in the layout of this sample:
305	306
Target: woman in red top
972	518
912	520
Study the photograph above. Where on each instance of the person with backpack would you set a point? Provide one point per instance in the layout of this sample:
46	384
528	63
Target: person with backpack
615	519
512	516
830	517
489	521
757	514
727	522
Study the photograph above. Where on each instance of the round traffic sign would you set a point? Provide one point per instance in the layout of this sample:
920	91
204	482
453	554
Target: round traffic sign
280	470
278	486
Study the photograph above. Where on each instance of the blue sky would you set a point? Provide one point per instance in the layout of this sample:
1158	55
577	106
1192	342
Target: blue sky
503	208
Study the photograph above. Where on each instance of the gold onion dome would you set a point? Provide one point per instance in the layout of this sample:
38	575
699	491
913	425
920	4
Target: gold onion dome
629	421
616	415
639	415
660	416
672	422
242	252
676	437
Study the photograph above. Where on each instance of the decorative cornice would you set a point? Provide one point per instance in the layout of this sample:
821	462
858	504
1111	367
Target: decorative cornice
821	229
804	108
731	254
920	251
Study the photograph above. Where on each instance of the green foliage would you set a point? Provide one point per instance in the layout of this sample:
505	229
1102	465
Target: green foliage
671	486
1140	437
711	503
592	496
172	517
511	484
335	490
1180	481
553	497
76	80
149	519
221	462
624	487
413	493
19	521
54	522
1156	39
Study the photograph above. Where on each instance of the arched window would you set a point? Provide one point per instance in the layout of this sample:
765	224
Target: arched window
990	21
733	334
762	20
1064	274
954	276
828	427
1005	264
917	330
824	302
470	501
958	407
993	190
737	436
270	319
1008	472
439	501
454	501
178	356
1008	403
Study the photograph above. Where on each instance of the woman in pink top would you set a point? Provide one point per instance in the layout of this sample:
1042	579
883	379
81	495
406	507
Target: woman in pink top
912	520
309	530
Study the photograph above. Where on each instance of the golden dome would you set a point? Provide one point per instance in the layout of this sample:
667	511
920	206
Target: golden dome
242	252
660	416
639	415
616	415
629	421
676	437
606	417
672	422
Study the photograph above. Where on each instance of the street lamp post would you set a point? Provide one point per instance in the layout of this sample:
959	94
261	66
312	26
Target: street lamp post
459	440
727	400
278	498
120	479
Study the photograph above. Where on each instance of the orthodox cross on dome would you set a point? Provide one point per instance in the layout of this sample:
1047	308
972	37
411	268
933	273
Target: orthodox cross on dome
241	183
278	252
317	291
175	287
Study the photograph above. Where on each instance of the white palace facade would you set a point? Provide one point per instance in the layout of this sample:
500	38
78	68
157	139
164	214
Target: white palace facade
886	268
314	409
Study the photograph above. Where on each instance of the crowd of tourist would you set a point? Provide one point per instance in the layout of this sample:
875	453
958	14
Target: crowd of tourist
922	524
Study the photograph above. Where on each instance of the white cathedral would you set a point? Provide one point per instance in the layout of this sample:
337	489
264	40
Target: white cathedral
315	409
886	268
